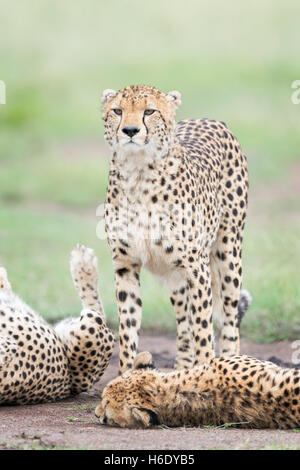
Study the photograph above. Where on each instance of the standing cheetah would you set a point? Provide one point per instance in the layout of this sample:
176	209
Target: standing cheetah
240	390
176	204
39	363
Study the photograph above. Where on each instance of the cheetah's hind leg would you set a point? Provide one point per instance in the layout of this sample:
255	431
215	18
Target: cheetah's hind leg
89	347
89	343
84	271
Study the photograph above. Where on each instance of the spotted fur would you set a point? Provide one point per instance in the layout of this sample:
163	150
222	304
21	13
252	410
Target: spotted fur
239	390
176	204
39	363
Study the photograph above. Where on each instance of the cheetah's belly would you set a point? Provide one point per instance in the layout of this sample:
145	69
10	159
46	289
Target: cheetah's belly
155	260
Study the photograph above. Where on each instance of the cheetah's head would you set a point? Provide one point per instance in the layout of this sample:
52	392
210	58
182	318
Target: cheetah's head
139	121
127	401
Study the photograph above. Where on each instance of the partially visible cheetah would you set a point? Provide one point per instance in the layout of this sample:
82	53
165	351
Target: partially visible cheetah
239	390
176	204
39	363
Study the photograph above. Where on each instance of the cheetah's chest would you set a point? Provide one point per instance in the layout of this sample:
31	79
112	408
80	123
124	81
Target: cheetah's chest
149	235
162	222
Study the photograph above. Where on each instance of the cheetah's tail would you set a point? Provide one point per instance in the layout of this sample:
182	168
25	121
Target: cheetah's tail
243	305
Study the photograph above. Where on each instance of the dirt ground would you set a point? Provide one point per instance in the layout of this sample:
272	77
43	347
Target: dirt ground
71	424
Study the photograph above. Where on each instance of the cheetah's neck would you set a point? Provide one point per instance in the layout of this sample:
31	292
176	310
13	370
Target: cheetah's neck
140	174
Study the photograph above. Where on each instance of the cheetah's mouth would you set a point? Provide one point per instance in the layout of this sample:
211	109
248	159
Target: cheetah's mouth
138	144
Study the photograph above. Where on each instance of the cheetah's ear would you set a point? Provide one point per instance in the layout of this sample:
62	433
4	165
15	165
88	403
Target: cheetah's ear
145	416
107	95
143	361
174	97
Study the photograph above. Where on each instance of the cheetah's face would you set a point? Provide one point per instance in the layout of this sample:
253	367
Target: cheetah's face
122	406
127	401
114	414
139	120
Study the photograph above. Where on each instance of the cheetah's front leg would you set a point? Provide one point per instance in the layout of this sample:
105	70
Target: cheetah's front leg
8	344
8	350
127	278
201	311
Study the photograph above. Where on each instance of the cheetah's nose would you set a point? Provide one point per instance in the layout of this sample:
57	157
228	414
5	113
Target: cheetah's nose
130	130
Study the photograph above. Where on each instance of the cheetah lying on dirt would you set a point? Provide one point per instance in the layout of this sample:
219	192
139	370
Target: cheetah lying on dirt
39	363
240	390
176	204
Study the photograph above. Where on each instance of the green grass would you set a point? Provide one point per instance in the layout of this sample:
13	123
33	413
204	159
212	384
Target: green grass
76	183
231	62
271	263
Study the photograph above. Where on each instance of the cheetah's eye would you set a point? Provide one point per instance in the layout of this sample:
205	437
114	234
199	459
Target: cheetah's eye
148	112
117	111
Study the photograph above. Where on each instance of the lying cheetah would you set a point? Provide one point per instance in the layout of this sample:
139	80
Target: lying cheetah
176	204
39	363
239	389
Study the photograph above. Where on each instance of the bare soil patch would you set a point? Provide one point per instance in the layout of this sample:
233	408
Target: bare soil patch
71	423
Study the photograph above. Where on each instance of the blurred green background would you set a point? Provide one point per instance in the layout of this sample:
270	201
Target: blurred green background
232	61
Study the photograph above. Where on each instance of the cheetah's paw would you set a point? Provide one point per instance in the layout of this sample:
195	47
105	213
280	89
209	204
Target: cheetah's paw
84	263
